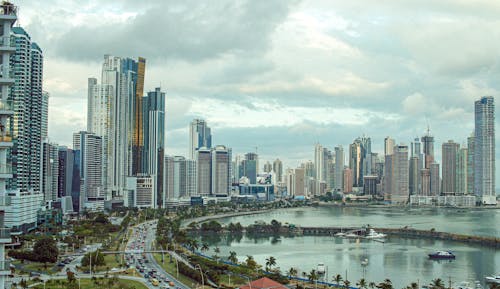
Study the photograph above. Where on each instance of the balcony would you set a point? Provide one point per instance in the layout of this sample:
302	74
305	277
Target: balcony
7	43
5	171
4	202
6	75
6	107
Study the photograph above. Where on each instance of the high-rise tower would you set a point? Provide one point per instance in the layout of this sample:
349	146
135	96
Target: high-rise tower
199	136
8	15
449	155
484	150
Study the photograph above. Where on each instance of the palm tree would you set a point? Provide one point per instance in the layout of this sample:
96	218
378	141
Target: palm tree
347	283
292	272
232	257
194	245
312	276
362	283
337	279
204	247
270	262
387	284
372	285
437	284
413	285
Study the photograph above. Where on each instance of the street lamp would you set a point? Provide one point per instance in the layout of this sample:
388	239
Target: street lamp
248	278
201	273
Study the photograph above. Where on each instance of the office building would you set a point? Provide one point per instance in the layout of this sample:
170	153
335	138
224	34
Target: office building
221	165
425	176
153	139
45	115
21	210
142	190
370	185
26	99
180	178
461	172
449	162
278	170
250	167
435	180
484	150
50	171
65	171
199	136
400	179
414	175
339	168
204	171
470	164
347	180
268	167
389	144
90	148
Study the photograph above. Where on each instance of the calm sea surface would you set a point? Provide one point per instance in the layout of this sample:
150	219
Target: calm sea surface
401	260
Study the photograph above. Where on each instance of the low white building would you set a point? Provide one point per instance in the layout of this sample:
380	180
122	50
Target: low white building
452	201
21	210
141	192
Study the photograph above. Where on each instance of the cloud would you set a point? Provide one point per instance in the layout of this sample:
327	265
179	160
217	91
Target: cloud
189	30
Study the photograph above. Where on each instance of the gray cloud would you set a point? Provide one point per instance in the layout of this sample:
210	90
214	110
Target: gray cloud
188	30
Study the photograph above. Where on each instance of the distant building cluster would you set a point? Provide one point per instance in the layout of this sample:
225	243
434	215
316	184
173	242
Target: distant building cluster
407	174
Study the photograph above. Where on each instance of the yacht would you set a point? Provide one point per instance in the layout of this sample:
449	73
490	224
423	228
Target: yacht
351	235
495	279
321	268
340	234
374	235
442	255
364	262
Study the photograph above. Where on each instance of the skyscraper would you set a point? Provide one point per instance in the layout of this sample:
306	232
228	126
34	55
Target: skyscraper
199	136
339	168
153	138
318	163
400	192
435	180
470	164
250	167
204	171
112	116
50	171
7	19
355	163
414	175
66	170
179	178
278	170
139	121
26	125
449	155
268	167
389	144
89	146
461	175
45	114
221	163
484	150
428	142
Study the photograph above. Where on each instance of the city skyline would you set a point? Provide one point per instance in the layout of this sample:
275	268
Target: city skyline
249	100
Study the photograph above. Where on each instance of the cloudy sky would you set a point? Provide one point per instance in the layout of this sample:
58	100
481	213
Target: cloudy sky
280	75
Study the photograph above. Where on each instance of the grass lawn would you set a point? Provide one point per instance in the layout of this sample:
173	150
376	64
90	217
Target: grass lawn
171	268
99	283
28	266
111	260
235	281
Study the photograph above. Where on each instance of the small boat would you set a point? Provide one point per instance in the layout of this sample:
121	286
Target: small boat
321	268
364	262
339	234
493	279
442	255
351	235
374	235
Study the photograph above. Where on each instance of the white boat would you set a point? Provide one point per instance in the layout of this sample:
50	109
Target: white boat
493	279
364	262
339	234
351	235
374	235
321	268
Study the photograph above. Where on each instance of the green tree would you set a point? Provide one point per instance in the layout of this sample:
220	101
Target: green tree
292	272
337	278
250	262
232	257
387	284
46	250
437	284
270	262
347	283
204	247
97	259
362	283
372	285
70	276
312	276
